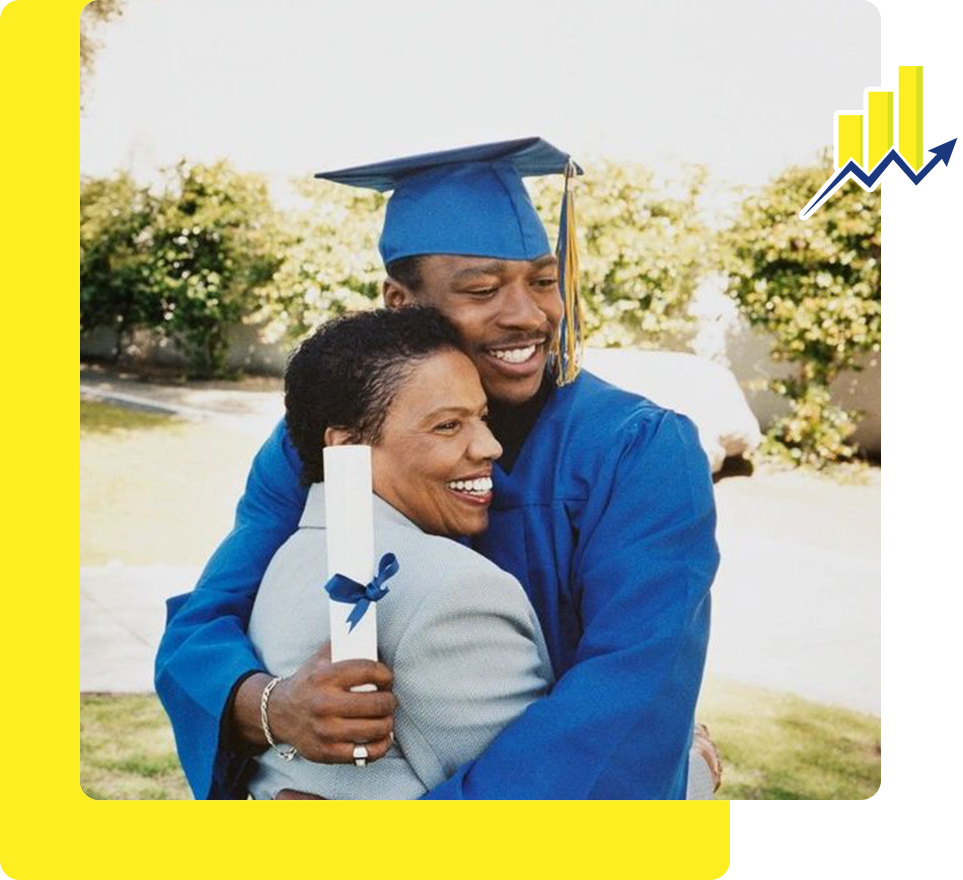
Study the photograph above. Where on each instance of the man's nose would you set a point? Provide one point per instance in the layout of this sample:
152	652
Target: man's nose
519	308
484	446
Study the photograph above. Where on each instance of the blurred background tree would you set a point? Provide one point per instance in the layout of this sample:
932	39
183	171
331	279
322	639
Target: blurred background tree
116	228
814	285
188	264
221	254
93	15
216	243
642	251
331	264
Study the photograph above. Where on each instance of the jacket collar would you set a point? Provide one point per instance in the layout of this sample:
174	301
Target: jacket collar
313	516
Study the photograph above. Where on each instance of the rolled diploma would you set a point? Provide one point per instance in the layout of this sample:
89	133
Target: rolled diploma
350	536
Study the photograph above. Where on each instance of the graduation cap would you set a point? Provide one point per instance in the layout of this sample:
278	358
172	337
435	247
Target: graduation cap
471	202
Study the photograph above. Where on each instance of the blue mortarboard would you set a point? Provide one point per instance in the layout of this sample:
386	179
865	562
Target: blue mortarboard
471	201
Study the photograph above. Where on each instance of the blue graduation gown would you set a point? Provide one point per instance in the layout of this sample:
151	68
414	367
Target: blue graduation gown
606	518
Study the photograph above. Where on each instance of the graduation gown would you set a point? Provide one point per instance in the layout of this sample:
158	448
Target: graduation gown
606	518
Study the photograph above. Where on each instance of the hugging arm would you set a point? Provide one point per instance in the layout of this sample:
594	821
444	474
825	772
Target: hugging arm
618	723
205	653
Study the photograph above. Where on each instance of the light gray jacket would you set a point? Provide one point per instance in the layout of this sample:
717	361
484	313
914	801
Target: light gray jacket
458	632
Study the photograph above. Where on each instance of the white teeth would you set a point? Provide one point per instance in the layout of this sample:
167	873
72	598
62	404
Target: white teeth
480	486
514	355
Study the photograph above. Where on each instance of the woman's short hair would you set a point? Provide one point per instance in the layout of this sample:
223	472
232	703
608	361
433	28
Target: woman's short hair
348	372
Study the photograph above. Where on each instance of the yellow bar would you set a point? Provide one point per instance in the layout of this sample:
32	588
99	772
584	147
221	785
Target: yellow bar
887	210
850	140
911	238
922	509
880	126
911	115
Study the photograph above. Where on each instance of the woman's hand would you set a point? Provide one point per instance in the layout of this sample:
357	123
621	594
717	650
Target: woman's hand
316	711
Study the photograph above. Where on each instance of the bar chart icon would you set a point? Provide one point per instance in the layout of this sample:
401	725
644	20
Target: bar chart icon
893	116
894	146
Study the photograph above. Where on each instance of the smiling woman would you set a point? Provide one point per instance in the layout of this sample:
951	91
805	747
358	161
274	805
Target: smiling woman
397	381
434	462
459	634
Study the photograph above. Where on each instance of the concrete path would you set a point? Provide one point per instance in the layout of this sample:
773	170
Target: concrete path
122	615
250	411
795	606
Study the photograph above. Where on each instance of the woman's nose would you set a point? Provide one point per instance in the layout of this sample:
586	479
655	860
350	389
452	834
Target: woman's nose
484	446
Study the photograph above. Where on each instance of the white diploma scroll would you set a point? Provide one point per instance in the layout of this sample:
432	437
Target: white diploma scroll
350	535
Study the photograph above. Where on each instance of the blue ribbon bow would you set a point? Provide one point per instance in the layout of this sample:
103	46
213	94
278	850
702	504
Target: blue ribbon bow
344	589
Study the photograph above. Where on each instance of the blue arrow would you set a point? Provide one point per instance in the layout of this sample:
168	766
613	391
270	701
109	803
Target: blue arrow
851	169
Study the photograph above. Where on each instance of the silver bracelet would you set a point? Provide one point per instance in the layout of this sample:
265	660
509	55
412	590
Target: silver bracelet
289	753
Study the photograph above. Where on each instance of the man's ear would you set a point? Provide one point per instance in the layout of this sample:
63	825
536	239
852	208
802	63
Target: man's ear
396	294
338	437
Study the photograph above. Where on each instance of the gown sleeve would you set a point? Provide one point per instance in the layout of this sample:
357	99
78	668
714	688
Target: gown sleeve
618	722
205	651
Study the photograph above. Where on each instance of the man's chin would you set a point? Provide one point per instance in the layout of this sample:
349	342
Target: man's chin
512	392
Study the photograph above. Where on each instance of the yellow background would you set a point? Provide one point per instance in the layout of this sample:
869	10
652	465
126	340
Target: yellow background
50	828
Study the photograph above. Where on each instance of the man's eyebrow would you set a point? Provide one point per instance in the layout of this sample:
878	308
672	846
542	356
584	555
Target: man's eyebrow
545	262
496	267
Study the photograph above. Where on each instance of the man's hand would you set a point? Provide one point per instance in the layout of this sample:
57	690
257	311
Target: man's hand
316	712
710	754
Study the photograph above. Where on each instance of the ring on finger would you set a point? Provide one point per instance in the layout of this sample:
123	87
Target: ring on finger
360	755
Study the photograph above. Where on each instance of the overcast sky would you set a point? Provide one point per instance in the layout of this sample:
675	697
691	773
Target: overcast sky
290	86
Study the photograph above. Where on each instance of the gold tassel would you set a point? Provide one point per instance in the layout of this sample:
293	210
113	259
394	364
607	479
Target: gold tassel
568	350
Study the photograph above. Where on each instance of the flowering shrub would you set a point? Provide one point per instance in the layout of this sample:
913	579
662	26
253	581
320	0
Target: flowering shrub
814	285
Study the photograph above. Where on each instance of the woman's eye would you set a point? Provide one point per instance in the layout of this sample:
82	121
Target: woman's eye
546	282
447	426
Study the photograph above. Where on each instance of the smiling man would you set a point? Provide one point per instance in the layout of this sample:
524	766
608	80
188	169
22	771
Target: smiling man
602	509
508	313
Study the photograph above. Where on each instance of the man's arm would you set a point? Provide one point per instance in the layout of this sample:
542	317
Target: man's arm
618	722
205	651
210	679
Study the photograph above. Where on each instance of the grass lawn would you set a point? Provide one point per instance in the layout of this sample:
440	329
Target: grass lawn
127	750
774	747
106	418
777	746
155	488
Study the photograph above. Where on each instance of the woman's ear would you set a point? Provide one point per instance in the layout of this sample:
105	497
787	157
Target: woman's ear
338	437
